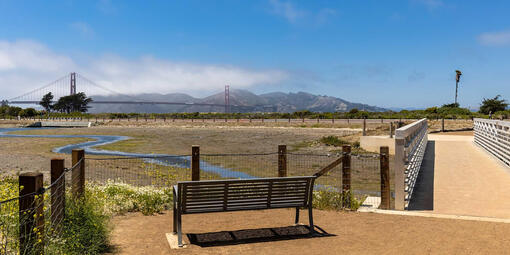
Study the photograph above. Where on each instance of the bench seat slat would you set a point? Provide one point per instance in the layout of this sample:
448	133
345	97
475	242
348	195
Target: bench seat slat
236	195
243	200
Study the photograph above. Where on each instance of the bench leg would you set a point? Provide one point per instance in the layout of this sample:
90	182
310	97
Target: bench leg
310	219
175	219
174	212
179	229
297	215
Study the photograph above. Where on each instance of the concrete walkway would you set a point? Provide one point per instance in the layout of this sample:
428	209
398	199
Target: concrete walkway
460	178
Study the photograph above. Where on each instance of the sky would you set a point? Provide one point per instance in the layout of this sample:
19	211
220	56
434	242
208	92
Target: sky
399	53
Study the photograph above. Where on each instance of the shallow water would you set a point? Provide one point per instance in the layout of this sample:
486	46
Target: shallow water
99	140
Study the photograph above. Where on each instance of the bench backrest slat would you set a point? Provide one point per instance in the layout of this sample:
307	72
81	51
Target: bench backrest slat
248	194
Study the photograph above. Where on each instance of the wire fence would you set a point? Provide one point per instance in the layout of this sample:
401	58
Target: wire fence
32	222
164	171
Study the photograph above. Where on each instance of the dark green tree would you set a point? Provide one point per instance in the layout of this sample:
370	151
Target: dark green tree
46	102
493	105
453	105
28	112
73	103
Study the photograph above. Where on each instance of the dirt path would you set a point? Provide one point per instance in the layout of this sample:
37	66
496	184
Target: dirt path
352	233
465	180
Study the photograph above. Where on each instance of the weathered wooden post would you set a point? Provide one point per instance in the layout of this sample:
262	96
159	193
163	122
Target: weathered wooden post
442	125
31	213
78	174
58	192
195	163
399	173
385	177
391	129
346	168
364	126
282	160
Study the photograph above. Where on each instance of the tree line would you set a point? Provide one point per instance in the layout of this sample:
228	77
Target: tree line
77	106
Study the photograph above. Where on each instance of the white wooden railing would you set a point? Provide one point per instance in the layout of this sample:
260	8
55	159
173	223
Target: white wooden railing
494	137
410	144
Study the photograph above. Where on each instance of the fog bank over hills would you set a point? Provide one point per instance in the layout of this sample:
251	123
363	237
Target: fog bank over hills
240	101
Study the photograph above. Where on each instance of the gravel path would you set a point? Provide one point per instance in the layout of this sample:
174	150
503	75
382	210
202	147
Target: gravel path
351	233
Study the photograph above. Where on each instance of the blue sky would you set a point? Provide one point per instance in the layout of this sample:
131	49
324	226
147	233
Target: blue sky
386	53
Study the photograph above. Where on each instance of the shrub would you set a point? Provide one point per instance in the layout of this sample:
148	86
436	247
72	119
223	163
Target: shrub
120	198
85	228
333	200
332	141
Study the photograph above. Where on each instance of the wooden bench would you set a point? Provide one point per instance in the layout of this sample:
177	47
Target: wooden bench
237	195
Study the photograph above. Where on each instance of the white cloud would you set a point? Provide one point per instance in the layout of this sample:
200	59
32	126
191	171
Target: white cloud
501	38
287	10
83	28
27	65
430	3
158	75
30	56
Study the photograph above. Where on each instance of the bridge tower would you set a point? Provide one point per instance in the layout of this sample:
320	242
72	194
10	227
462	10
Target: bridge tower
227	99
73	83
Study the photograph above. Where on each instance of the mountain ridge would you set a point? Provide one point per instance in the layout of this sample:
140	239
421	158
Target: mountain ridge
240	100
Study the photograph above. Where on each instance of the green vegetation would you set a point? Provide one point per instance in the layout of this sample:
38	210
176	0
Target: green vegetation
120	198
85	229
493	105
77	107
72	103
332	140
334	200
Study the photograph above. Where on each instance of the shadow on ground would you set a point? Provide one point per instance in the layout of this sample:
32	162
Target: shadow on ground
255	236
423	194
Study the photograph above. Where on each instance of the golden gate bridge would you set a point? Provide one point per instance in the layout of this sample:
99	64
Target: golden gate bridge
68	85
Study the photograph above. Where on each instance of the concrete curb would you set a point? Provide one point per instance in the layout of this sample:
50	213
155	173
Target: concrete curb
435	215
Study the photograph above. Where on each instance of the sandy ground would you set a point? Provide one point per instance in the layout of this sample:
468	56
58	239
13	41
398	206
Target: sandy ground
460	178
349	233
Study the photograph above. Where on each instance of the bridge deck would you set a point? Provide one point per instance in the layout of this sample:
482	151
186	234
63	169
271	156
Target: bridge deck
460	178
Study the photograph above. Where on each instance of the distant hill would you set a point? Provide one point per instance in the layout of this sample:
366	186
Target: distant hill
241	101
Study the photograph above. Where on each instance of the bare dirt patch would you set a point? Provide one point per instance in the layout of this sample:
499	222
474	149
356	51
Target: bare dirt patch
353	233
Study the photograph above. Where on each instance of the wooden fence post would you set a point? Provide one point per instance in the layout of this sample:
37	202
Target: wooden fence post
385	177
282	160
346	168
78	174
195	163
364	126
391	129
442	125
58	192
31	213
